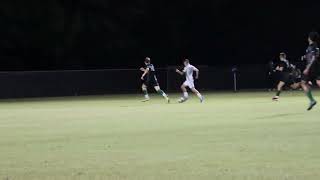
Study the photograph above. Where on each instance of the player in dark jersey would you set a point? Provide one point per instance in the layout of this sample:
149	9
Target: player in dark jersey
295	76
312	70
286	76
149	78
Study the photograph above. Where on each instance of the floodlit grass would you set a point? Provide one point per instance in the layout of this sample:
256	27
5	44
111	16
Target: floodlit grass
243	136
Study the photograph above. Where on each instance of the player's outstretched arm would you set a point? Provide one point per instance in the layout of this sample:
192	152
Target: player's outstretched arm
179	72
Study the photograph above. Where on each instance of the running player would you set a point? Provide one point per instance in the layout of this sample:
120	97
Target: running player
149	79
312	70
286	74
188	72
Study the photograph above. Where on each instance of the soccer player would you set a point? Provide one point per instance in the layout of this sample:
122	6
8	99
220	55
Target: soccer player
286	74
149	79
188	72
312	70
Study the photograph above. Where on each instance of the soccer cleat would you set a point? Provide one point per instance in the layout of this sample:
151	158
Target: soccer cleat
312	104
182	100
146	100
201	99
275	98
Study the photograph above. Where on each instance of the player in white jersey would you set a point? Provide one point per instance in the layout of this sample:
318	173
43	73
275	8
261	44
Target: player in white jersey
189	83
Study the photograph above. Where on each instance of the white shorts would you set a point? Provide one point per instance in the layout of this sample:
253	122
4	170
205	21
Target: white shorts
189	84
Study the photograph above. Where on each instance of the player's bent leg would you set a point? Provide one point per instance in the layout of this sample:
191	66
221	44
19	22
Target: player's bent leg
185	96
318	83
194	90
296	86
162	93
279	89
184	87
306	88
145	92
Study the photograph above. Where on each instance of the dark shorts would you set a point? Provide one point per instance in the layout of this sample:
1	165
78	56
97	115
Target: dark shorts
310	77
289	79
293	80
314	74
285	77
151	81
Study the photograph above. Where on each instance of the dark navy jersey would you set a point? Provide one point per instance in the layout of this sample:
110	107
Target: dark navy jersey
285	65
312	51
151	67
152	70
295	72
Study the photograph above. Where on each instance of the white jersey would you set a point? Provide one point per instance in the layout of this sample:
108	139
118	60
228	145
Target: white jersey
188	70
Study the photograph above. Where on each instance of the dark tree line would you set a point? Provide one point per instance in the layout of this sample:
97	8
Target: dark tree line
85	34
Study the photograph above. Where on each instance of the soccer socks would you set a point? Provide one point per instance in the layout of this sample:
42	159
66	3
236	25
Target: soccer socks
199	95
185	95
309	95
145	92
184	98
276	98
162	93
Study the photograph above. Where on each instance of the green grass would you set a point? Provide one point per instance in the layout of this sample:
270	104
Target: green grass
242	136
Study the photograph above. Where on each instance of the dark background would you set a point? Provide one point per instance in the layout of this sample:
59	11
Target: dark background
96	34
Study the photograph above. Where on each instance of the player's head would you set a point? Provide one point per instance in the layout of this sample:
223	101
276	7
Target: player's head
283	56
313	37
186	62
147	60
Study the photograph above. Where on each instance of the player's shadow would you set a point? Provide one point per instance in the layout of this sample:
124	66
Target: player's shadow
279	115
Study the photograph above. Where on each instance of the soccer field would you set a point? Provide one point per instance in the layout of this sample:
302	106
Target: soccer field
242	136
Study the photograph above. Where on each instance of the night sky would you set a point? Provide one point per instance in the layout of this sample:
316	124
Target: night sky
97	34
